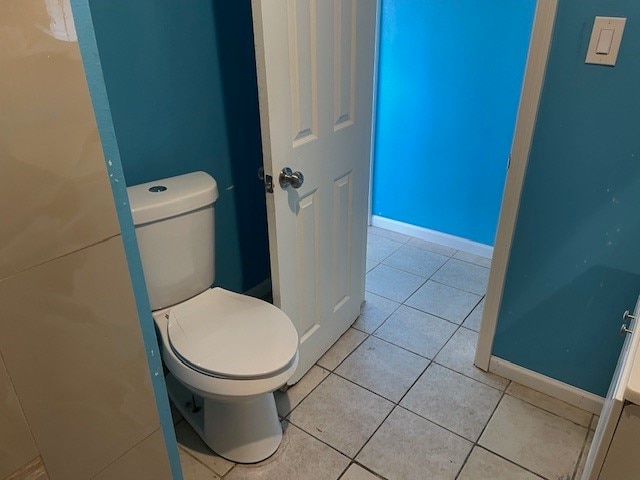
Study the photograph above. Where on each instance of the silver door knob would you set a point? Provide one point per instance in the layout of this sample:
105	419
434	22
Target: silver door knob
289	178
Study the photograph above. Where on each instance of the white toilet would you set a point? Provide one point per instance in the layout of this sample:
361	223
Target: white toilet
226	352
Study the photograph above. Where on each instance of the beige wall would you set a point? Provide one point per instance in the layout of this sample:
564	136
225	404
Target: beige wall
74	382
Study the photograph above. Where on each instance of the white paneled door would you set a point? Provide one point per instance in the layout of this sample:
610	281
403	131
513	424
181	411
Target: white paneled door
315	62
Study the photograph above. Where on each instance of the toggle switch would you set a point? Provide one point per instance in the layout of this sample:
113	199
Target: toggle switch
604	41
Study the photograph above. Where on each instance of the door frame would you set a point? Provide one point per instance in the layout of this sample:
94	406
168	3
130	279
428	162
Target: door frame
535	71
374	110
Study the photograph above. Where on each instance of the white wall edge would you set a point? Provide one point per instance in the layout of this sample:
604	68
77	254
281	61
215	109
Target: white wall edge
433	236
261	290
532	84
549	386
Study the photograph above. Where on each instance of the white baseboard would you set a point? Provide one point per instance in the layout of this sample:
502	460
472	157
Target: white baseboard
554	388
261	290
433	236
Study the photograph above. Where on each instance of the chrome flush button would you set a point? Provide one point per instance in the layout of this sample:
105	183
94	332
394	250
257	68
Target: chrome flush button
157	188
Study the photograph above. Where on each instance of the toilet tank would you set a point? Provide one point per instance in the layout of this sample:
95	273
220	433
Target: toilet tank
174	220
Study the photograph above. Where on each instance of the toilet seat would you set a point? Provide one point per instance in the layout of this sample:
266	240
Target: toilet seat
228	335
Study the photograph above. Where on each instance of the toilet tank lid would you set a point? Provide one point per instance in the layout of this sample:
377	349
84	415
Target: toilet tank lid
172	196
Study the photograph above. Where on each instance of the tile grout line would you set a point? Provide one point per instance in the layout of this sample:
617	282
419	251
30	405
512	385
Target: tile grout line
430	277
582	450
307	395
475	444
429	313
431	361
426	279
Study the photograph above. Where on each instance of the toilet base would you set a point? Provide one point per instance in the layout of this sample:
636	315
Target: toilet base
241	429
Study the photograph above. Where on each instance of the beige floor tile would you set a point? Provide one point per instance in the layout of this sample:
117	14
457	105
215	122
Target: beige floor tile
474	320
416	260
146	461
416	331
287	401
533	438
471	258
463	275
432	247
458	354
374	312
356	472
346	344
392	283
583	456
444	301
484	465
381	232
383	368
190	442
453	401
550	404
379	248
300	456
341	414
370	265
192	469
407	446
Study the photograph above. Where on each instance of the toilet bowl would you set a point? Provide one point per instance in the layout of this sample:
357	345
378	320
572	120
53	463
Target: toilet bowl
226	353
211	346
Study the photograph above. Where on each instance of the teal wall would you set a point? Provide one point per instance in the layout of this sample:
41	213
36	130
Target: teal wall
575	260
450	76
181	84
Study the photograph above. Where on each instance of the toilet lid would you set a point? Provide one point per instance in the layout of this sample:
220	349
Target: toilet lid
231	335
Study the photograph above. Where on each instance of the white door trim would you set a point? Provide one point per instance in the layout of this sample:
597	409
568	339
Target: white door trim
433	236
549	386
527	113
374	110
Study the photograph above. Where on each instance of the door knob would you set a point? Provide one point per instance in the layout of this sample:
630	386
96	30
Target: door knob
290	178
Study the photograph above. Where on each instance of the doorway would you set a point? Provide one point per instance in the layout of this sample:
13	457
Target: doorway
152	76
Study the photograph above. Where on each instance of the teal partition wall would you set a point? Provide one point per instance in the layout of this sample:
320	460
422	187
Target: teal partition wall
575	260
97	90
450	75
181	82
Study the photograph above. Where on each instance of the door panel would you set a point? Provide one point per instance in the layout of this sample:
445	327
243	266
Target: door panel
315	82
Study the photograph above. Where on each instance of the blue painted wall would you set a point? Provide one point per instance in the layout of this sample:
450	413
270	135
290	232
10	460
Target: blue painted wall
182	89
450	76
575	259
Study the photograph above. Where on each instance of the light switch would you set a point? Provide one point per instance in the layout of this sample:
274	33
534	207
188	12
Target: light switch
605	40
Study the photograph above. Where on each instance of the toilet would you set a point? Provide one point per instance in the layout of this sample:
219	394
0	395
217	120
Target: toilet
226	353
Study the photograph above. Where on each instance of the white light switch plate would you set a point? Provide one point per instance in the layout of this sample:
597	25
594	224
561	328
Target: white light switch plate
597	35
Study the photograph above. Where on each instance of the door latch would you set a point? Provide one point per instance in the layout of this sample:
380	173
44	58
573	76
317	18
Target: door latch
267	179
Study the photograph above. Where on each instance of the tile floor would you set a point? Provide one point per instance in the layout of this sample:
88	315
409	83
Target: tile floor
398	398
